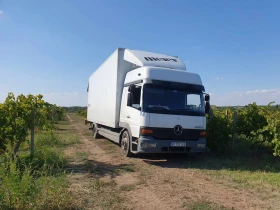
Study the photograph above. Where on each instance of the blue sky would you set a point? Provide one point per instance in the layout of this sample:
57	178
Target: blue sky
52	47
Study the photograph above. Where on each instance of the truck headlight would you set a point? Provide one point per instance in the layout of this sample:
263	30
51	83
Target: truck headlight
202	134
146	132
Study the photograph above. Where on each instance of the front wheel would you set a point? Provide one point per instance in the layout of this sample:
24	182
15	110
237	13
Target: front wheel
125	144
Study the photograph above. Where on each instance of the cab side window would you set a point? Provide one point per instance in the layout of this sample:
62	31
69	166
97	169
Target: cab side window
134	96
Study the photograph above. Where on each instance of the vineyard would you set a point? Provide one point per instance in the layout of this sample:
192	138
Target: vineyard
246	129
32	164
31	158
20	115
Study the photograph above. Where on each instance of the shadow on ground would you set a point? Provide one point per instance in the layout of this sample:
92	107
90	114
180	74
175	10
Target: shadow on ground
213	162
99	169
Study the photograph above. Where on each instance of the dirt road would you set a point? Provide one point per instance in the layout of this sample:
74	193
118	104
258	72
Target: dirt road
103	179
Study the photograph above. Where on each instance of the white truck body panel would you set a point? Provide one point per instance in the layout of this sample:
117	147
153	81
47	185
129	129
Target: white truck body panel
141	58
105	90
163	74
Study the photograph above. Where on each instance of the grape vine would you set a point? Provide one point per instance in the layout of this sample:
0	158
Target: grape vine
20	115
259	125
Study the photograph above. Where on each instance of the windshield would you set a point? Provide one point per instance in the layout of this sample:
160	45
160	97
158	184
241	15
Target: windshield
167	100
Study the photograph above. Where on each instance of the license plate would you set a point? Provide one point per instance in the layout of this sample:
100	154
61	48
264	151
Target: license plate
178	144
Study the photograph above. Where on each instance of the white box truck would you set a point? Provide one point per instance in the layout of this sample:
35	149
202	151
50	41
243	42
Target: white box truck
147	103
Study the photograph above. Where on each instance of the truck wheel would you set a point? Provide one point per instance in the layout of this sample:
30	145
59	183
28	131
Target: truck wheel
95	133
125	144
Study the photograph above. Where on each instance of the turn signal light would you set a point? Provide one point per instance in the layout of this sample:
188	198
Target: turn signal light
202	133
146	131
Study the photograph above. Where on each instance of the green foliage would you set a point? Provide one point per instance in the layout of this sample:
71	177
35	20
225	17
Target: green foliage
49	151
251	120
82	113
20	189
272	129
74	109
37	183
219	130
258	124
19	114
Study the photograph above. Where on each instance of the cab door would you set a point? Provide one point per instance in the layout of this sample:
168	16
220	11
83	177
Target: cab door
131	108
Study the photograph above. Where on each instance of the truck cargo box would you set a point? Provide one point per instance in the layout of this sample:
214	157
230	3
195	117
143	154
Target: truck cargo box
105	90
106	83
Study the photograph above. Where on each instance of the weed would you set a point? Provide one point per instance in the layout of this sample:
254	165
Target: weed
125	168
203	205
20	189
38	182
128	187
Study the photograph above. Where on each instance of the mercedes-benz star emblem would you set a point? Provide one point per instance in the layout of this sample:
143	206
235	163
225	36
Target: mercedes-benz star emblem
178	130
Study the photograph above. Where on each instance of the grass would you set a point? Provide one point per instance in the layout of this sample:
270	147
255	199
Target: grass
81	156
40	182
203	205
125	169
256	179
104	195
56	140
128	187
247	172
21	190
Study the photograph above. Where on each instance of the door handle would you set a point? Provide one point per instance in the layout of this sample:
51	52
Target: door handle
128	116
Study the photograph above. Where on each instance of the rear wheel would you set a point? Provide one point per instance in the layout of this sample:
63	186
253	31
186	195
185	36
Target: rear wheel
125	144
95	133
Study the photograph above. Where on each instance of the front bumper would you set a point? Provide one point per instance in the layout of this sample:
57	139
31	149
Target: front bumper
148	144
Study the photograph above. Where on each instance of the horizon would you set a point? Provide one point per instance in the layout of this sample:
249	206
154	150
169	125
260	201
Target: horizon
53	47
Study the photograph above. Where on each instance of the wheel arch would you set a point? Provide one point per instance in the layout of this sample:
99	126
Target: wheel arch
125	127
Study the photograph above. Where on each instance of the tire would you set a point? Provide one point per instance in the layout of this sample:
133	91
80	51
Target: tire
125	144
95	133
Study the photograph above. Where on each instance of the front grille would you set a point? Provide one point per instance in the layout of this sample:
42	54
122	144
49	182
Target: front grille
168	134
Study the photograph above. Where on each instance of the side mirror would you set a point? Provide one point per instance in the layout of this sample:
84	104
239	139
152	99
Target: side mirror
207	107
207	97
129	99
207	104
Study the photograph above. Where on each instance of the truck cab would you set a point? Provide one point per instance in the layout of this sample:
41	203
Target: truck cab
164	111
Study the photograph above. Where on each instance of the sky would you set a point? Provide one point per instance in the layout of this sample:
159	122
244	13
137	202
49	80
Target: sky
52	47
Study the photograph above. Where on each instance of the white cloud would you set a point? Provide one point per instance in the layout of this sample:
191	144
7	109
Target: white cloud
219	78
1	12
261	97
